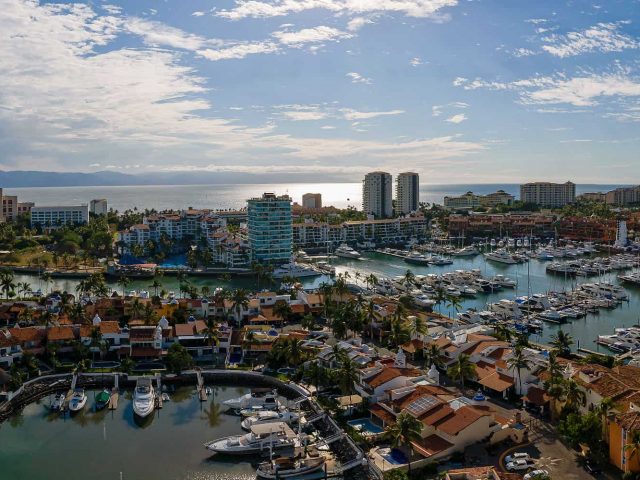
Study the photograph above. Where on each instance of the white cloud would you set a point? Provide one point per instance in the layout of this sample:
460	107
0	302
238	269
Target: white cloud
328	127
158	34
357	23
458	118
112	9
238	51
311	35
274	8
603	37
350	114
198	14
523	52
437	110
357	78
415	62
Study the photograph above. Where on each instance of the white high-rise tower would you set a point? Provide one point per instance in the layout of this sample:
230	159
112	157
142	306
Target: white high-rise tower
407	193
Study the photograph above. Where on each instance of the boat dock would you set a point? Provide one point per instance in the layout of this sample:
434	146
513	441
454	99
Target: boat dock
115	393
202	393
397	255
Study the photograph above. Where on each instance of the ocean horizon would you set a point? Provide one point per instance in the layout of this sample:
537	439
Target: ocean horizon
233	196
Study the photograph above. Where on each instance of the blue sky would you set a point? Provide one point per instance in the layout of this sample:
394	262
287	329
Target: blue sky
461	91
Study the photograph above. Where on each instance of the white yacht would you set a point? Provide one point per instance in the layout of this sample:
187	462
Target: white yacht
466	252
144	400
504	282
269	417
295	270
78	400
257	398
632	278
501	256
287	467
261	438
58	402
346	251
536	302
424	300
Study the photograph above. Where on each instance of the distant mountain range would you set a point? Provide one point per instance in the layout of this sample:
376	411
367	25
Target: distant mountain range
32	178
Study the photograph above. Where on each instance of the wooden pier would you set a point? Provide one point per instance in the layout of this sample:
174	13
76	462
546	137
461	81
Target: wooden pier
113	401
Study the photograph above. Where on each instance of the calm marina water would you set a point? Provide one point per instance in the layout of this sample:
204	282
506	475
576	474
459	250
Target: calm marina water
163	197
109	445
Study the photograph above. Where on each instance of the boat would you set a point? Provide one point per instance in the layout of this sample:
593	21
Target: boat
501	256
144	400
346	251
58	402
166	397
78	400
440	261
208	391
287	467
466	252
295	270
416	258
506	309
504	282
268	400
102	399
269	417
269	436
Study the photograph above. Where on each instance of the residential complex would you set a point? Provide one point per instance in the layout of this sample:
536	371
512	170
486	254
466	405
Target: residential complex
470	200
377	194
11	208
407	193
624	197
55	216
312	200
546	194
269	228
98	206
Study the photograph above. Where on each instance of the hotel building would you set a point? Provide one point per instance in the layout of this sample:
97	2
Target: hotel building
470	200
377	194
270	228
52	217
312	200
546	194
98	206
407	193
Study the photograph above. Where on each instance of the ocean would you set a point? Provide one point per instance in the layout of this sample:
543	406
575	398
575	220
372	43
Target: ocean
163	197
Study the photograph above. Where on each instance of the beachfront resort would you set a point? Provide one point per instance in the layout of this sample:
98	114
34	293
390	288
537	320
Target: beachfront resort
487	338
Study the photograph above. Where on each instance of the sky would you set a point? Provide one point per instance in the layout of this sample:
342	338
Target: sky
460	91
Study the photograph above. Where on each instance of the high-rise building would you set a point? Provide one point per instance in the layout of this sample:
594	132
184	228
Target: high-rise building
376	194
312	200
548	194
407	193
98	206
270	228
53	217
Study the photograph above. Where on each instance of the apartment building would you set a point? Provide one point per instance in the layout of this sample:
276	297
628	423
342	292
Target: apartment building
624	197
377	194
546	194
270	228
55	216
312	200
98	206
470	200
407	193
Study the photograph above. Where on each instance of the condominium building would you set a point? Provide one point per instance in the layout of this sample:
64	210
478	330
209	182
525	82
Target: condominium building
270	228
52	217
312	200
548	194
407	193
98	206
470	200
624	197
376	194
9	207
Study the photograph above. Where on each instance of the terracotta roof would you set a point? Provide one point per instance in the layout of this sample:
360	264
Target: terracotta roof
60	334
145	352
378	411
461	419
389	373
183	329
109	327
27	334
431	445
496	381
479	347
413	346
142	333
200	326
630	421
536	396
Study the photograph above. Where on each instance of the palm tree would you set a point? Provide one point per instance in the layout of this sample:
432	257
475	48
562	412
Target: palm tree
77	313
454	303
562	342
418	327
462	369
517	362
604	409
136	308
440	297
124	282
407	429
293	351
148	314
409	278
23	288
574	395
156	285
371	281
47	279
239	302
211	335
632	447
433	355
282	310
316	374
348	375
398	334
6	282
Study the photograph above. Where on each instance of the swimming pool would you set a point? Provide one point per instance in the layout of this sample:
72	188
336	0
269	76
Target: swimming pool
393	456
365	425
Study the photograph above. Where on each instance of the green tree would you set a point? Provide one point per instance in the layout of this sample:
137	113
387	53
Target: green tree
407	429
178	358
517	362
462	369
561	343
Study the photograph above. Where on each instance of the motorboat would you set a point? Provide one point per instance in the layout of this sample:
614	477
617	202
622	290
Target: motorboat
506	309
504	282
265	437
346	251
466	252
102	399
536	302
417	258
78	400
286	467
424	301
257	398
501	256
269	416
58	402
440	261
295	270
552	315
144	399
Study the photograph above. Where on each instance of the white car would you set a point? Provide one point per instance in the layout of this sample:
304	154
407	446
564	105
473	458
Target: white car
536	474
518	464
517	456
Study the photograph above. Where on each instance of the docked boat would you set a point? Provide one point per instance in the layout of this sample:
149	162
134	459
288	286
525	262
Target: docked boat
346	251
78	400
506	309
261	438
287	467
416	258
58	402
295	270
102	399
144	400
504	282
267	400
501	256
466	252
269	417
440	261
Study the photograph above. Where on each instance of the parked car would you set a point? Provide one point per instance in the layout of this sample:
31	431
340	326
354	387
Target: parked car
518	465
517	456
536	475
